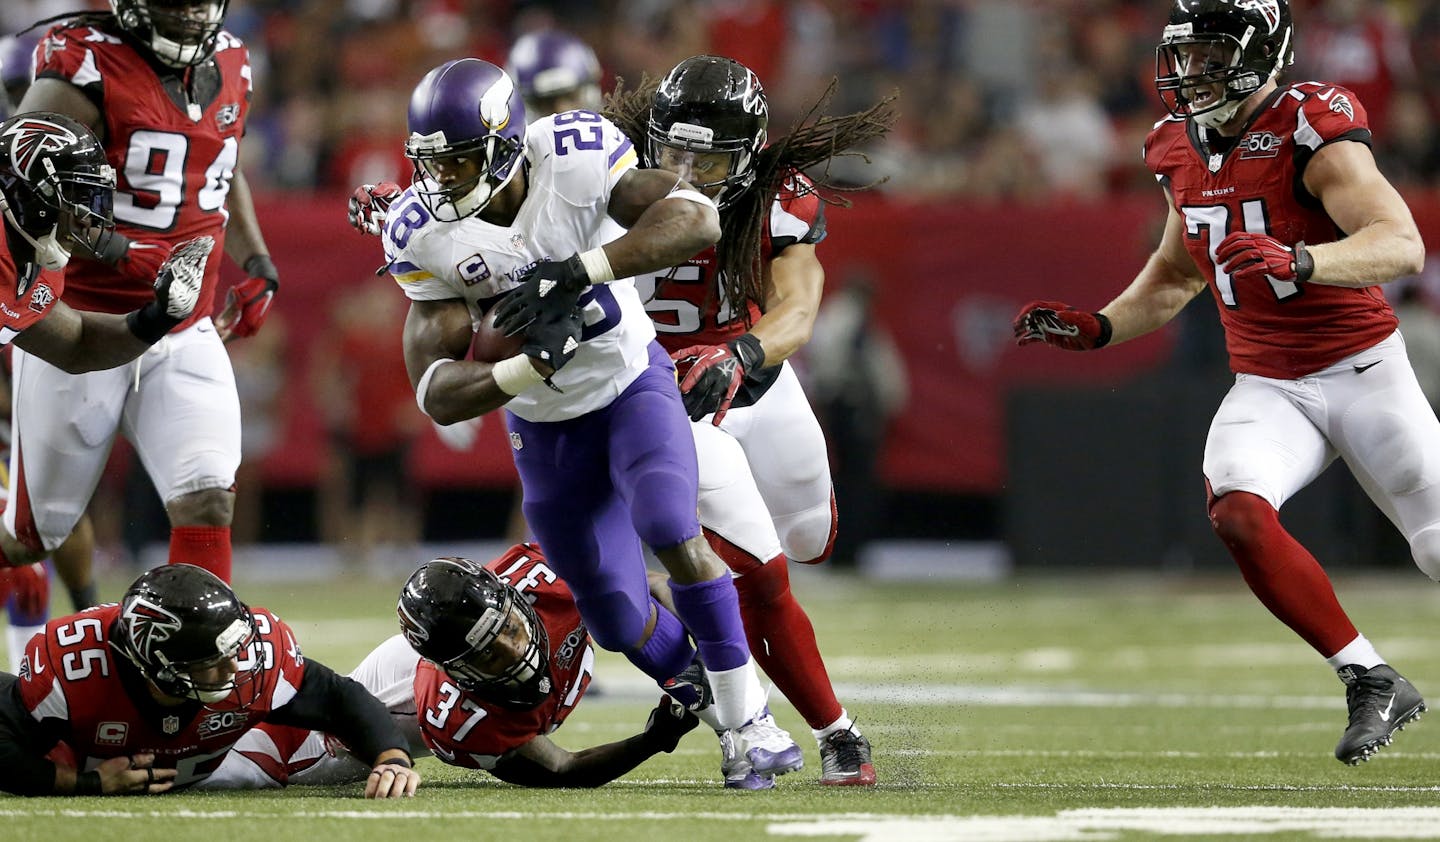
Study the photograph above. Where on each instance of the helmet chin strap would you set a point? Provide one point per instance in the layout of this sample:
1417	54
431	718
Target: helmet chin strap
48	251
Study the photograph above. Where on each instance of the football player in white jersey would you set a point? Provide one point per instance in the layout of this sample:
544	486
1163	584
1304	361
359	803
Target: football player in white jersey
598	430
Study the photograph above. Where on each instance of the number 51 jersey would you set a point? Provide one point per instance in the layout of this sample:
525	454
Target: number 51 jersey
1273	329
573	160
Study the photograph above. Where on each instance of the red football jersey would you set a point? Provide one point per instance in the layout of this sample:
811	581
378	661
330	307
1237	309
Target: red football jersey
1275	329
71	673
464	730
23	306
676	298
173	159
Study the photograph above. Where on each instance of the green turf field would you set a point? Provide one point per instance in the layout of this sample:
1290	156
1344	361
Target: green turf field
1034	709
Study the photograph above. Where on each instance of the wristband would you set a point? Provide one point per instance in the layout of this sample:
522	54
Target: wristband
514	375
261	266
1105	330
397	761
111	247
748	348
597	265
88	783
1304	263
423	387
149	324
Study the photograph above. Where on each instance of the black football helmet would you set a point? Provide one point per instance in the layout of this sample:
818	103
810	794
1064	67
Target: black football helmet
460	616
1241	43
179	619
181	33
711	104
56	188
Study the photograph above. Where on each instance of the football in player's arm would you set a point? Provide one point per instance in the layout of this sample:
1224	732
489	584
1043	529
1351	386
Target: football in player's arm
150	694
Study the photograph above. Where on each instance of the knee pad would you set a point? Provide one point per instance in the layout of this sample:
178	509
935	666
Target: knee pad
614	622
1240	517
660	512
1425	549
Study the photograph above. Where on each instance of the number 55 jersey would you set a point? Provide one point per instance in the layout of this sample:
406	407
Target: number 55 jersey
81	693
1274	329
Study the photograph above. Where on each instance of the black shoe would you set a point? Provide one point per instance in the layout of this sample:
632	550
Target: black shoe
845	760
1381	703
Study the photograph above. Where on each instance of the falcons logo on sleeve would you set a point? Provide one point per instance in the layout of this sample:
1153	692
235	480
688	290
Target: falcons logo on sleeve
32	137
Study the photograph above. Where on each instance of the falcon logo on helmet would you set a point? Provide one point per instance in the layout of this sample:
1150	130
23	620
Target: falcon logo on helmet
31	138
1267	9
148	625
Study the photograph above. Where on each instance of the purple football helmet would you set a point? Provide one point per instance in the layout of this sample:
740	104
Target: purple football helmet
555	69
464	113
17	61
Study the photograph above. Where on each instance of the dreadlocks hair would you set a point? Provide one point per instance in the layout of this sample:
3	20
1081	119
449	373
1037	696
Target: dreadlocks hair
813	140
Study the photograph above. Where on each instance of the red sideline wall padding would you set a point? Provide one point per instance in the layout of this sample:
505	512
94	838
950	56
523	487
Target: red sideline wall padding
949	279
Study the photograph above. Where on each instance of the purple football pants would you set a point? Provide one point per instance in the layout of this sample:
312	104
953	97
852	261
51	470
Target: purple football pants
595	488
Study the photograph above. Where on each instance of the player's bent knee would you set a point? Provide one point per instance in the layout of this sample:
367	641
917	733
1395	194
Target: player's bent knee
207	507
1239	518
617	624
764	583
1425	549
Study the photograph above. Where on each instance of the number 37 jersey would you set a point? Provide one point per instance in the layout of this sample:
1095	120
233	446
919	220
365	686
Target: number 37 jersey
1272	328
573	161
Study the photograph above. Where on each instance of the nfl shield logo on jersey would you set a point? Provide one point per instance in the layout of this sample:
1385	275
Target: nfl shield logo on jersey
1215	161
515	441
170	725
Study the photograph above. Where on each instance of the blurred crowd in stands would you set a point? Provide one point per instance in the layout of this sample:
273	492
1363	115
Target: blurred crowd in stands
999	99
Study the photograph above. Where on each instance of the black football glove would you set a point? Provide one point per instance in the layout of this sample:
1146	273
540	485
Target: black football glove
553	338
715	374
668	722
551	287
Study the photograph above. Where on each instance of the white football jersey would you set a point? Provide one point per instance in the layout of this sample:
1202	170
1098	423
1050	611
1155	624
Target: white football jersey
574	159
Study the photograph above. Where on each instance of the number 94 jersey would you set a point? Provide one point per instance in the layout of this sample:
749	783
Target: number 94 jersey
174	158
82	692
1274	329
573	160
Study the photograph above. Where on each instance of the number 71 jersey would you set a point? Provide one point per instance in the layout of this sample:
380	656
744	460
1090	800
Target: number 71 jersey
173	161
1273	328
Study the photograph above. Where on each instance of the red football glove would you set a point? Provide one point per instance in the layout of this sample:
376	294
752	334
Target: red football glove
369	204
1058	324
248	301
715	373
30	585
1250	257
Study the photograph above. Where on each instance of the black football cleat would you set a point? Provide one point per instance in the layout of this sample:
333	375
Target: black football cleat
1381	703
845	760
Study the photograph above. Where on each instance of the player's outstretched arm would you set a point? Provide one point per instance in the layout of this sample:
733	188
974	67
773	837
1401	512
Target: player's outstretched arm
341	706
1164	286
77	341
541	763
